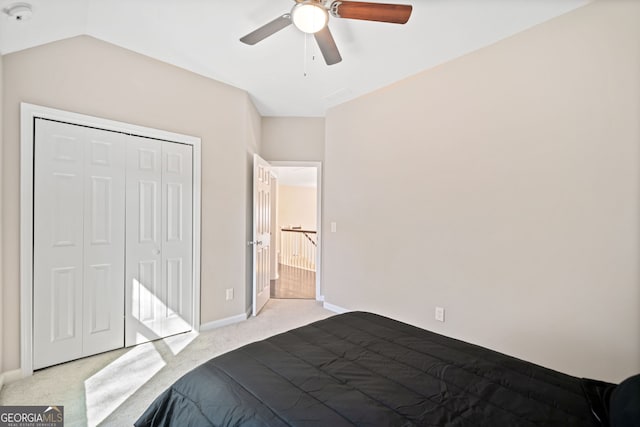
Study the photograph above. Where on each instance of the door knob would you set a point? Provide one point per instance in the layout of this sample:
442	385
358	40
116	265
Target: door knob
156	251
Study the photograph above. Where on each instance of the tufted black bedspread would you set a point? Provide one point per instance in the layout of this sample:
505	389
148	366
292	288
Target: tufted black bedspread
366	370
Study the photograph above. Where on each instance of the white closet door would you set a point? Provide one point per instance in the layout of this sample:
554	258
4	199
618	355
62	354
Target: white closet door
159	300
143	299
57	245
104	214
78	242
177	237
113	237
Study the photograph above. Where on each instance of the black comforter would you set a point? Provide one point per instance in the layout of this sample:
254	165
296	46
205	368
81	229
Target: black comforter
363	369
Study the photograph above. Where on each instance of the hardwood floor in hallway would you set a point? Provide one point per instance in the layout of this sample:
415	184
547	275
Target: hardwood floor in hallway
294	283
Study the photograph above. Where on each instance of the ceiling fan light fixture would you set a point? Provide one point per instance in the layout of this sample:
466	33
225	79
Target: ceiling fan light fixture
309	16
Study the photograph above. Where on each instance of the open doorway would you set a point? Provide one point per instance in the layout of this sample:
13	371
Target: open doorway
295	222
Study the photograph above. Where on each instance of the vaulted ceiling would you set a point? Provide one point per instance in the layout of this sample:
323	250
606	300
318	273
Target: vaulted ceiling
284	74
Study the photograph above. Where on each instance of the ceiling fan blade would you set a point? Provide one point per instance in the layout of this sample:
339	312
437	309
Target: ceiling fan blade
267	30
381	12
328	46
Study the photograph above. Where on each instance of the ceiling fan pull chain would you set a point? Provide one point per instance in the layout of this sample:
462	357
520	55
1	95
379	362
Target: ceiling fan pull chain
313	51
304	58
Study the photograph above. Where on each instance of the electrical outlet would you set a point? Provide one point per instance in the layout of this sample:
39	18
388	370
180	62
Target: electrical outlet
440	314
229	294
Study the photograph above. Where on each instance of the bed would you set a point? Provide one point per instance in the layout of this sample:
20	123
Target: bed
363	369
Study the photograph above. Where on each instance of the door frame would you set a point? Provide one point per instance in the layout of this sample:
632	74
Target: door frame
318	166
28	114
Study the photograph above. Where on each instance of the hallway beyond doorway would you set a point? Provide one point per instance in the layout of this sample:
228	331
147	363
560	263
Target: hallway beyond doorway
294	283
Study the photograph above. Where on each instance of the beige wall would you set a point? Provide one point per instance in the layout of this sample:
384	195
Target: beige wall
91	77
504	187
297	206
293	138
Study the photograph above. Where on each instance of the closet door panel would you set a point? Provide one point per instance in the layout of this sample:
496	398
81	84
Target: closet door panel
177	237
143	287
104	240
58	243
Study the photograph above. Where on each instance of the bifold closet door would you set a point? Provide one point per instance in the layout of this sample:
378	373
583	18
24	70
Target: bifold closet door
177	237
158	291
78	252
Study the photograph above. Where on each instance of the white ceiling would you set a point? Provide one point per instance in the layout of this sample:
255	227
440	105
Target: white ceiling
202	36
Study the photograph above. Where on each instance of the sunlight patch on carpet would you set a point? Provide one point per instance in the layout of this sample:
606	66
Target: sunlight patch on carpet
109	388
177	343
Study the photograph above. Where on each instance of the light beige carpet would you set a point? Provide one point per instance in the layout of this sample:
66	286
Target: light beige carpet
114	388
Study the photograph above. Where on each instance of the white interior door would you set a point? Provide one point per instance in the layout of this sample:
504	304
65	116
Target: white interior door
144	241
159	282
57	245
78	242
104	214
177	237
261	233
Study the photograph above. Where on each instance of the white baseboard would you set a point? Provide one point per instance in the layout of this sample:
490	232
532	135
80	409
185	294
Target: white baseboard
335	308
226	321
10	376
320	298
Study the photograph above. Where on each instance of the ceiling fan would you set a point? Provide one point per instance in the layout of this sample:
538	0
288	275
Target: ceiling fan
312	17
